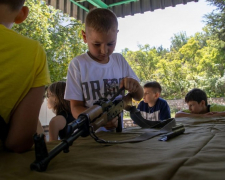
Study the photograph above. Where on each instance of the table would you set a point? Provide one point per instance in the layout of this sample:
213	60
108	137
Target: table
199	153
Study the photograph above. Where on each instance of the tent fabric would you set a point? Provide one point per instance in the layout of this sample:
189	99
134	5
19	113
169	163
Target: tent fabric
198	153
126	8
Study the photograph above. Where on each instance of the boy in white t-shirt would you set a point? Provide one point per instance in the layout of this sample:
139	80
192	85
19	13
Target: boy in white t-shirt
99	72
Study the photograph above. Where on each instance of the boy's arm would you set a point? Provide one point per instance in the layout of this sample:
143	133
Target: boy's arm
40	129
23	123
209	114
138	95
215	114
77	107
185	114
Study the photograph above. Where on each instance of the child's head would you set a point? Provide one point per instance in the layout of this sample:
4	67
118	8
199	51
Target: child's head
13	4
12	11
152	91
55	95
196	100
101	20
101	28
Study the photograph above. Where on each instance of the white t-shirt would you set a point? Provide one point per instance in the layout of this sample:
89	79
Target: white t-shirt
88	80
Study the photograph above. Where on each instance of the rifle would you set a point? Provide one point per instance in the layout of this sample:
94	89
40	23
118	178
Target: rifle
98	115
4	128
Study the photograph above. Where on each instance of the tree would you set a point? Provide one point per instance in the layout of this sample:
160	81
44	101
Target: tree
178	41
189	53
143	62
195	61
59	34
216	19
171	74
161	51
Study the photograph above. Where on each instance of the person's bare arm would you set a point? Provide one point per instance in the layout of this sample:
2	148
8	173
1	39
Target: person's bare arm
77	107
133	87
56	124
40	129
185	114
215	114
23	123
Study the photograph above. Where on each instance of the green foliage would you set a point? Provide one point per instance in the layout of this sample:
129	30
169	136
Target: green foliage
178	41
220	4
59	34
216	19
146	58
192	62
196	61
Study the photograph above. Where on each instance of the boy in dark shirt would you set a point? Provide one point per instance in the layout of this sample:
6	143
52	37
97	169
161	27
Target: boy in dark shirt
153	107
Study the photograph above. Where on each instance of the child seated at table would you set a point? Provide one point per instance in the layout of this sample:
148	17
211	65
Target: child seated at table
196	100
153	107
61	108
24	74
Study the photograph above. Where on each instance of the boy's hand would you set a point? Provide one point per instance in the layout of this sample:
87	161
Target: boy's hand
211	113
130	84
112	124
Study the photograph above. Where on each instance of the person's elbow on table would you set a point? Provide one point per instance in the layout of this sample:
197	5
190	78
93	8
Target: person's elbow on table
181	114
215	114
19	147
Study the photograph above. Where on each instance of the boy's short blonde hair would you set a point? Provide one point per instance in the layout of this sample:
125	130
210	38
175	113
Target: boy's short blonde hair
154	85
101	20
13	4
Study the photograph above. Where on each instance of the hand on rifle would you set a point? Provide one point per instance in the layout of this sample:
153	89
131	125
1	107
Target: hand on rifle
133	87
130	84
112	124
